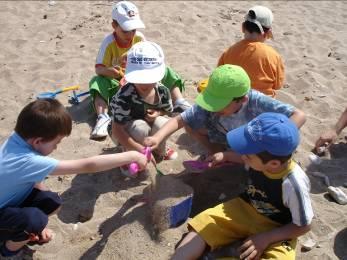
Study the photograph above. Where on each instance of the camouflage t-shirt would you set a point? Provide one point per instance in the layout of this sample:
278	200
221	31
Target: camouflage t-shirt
128	105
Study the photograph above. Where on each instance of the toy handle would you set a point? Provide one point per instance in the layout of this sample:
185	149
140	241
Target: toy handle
134	167
68	89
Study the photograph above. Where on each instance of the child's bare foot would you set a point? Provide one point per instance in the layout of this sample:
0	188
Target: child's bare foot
45	236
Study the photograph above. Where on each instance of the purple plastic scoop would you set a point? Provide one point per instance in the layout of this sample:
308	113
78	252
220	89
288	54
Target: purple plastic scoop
195	166
200	166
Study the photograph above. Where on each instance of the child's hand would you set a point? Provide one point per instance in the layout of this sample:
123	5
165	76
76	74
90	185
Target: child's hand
253	247
326	138
118	72
215	159
151	115
151	142
141	160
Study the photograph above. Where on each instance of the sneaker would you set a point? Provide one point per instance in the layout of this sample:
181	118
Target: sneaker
181	105
100	129
170	154
125	171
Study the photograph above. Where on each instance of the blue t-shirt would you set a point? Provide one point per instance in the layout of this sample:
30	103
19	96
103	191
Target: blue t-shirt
20	168
218	126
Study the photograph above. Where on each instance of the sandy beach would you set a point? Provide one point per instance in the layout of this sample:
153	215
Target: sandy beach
46	45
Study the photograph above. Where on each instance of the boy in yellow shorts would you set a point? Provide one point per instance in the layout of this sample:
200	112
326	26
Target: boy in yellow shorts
110	66
262	63
275	208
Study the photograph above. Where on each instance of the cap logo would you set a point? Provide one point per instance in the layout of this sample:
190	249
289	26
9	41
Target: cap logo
144	60
131	13
254	129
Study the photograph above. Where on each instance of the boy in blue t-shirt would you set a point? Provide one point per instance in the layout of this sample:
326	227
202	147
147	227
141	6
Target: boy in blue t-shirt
25	203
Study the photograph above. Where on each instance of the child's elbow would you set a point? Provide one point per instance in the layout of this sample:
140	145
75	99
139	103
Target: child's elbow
305	229
299	117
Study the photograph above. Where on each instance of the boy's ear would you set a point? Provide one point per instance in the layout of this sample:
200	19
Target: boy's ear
273	164
244	99
35	141
114	26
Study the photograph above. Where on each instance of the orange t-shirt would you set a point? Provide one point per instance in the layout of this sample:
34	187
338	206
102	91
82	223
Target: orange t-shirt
262	63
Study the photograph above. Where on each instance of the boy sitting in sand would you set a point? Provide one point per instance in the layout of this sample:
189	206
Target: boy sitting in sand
226	104
25	203
110	65
139	107
331	135
275	208
262	63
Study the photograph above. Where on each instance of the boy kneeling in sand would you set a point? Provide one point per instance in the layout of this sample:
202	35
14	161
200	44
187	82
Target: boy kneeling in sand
25	203
139	107
275	208
227	103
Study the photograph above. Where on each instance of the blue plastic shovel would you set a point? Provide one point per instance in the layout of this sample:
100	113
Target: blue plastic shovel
53	94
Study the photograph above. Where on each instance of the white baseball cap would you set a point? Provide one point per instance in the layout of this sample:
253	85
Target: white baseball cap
127	16
263	17
145	63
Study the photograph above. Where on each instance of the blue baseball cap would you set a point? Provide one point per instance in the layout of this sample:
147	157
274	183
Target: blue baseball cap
271	132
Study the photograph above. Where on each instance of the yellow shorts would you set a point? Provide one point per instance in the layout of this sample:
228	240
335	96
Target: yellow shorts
235	220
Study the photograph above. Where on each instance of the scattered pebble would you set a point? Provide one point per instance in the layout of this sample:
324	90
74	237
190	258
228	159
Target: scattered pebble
344	185
51	2
92	238
309	244
75	227
314	158
45	16
222	196
81	46
338	195
42	41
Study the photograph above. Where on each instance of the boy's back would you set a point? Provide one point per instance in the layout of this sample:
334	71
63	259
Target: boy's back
261	62
20	168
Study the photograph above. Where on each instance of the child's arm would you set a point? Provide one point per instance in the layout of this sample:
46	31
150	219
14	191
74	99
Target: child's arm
254	246
124	138
298	117
332	134
220	157
170	127
112	72
99	163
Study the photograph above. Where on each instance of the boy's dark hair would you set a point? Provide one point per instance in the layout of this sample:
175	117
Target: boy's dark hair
266	157
252	27
46	118
238	99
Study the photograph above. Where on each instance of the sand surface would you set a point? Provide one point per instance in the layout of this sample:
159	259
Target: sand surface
48	45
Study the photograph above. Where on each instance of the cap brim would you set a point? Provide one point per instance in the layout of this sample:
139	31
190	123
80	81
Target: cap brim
242	143
132	25
210	102
145	76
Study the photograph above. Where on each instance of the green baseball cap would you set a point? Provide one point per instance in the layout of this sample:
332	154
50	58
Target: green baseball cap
224	84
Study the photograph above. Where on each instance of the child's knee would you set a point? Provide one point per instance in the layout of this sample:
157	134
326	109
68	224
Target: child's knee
139	129
33	220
